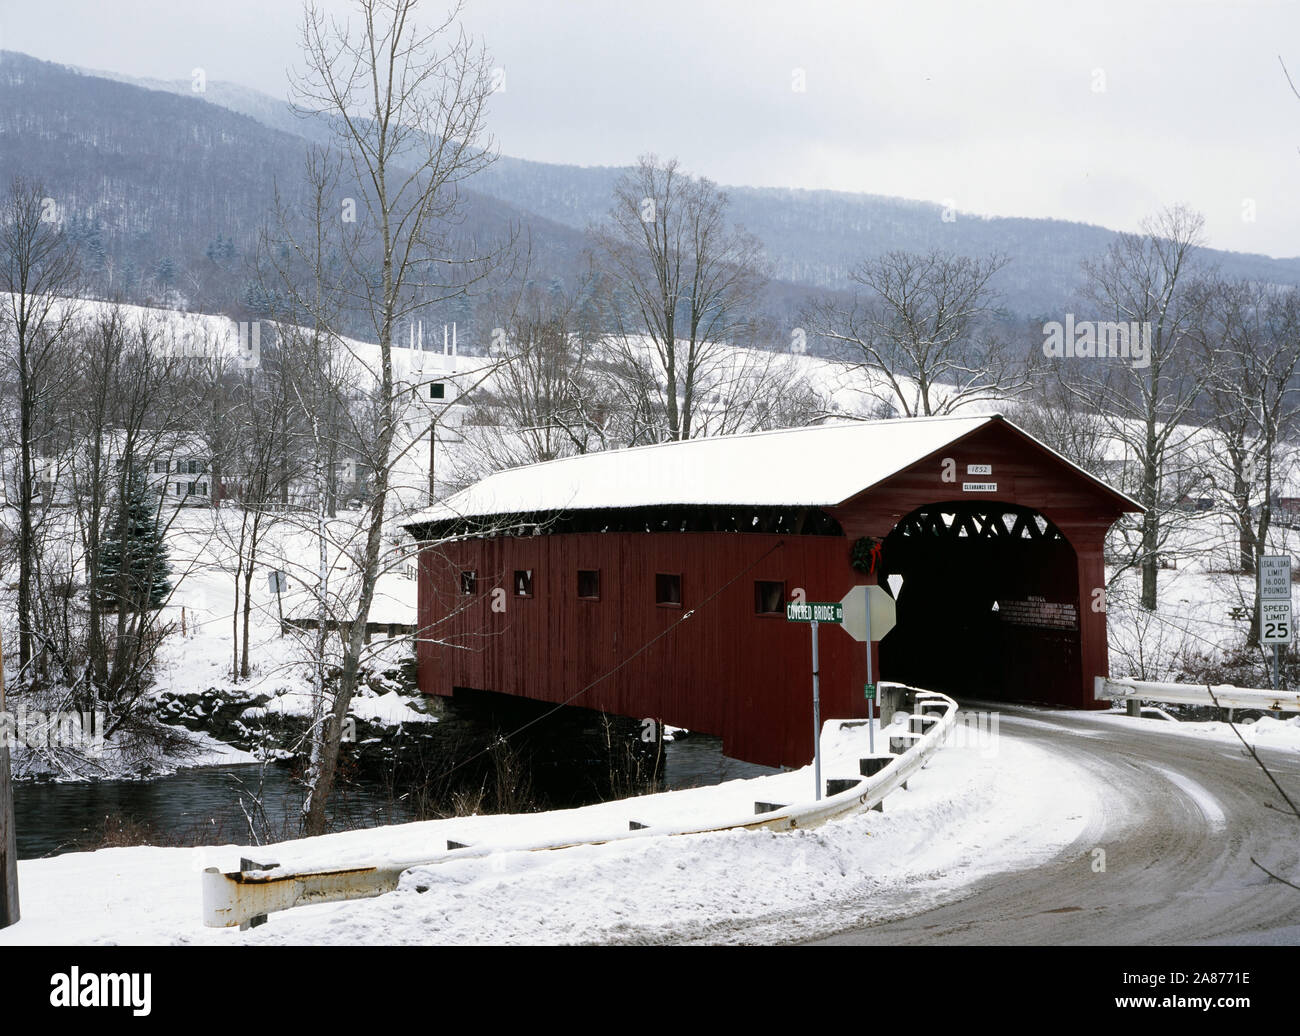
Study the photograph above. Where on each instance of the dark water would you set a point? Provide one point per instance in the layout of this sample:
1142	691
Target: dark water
207	806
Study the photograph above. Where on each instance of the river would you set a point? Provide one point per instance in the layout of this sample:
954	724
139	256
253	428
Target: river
208	805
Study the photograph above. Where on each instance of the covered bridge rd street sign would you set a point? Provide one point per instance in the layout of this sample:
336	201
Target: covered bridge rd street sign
814	611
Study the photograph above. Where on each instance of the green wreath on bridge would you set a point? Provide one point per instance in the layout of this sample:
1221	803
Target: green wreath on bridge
865	554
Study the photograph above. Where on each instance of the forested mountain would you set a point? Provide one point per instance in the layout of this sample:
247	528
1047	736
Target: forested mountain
168	187
167	193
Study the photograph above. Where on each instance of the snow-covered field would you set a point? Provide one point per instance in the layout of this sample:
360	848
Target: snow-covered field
973	812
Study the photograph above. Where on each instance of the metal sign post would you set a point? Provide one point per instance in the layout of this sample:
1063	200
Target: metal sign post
871	717
817	719
871	685
869	613
814	613
1275	626
8	836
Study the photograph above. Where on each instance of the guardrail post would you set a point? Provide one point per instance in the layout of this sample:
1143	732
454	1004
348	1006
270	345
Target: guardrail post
245	864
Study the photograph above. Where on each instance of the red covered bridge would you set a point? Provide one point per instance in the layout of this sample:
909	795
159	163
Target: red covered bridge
651	582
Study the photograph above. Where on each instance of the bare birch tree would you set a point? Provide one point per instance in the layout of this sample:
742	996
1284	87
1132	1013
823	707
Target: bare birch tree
408	104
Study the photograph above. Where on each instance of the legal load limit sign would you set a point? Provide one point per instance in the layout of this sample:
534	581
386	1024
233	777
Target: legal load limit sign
1275	577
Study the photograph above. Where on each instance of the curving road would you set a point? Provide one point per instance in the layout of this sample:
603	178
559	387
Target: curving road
1179	820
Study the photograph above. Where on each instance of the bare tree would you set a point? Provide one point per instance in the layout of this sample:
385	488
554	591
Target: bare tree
1250	339
550	395
407	104
1147	279
1055	415
38	276
323	379
754	390
685	284
922	331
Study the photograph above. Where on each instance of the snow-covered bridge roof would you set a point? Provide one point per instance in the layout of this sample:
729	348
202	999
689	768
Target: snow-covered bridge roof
818	466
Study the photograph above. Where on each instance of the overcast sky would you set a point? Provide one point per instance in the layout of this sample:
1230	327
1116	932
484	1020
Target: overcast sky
1101	111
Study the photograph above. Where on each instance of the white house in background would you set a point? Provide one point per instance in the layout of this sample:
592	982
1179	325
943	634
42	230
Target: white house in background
175	467
185	477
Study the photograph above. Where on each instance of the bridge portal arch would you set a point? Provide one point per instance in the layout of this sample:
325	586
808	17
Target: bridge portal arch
989	603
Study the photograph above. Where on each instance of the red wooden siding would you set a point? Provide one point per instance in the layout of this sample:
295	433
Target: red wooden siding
725	670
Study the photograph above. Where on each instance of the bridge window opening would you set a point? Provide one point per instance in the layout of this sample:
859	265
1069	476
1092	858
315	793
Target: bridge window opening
523	582
769	598
668	590
589	584
469	583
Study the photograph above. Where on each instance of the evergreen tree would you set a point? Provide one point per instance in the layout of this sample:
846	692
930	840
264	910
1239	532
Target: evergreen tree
164	273
141	552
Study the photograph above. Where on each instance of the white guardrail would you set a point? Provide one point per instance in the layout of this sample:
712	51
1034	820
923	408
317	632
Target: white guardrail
247	896
1223	695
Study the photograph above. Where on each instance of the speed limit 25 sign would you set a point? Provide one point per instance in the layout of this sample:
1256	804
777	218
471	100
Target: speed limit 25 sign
1275	622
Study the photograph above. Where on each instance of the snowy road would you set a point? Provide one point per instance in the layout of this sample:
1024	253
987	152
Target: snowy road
1178	820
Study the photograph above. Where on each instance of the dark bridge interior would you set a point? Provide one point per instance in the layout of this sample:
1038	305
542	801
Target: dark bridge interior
989	604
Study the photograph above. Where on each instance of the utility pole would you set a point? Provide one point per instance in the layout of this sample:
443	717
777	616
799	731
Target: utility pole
8	835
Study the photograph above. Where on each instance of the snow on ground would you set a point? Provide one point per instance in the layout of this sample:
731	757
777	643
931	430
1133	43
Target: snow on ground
389	709
979	808
1264	732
